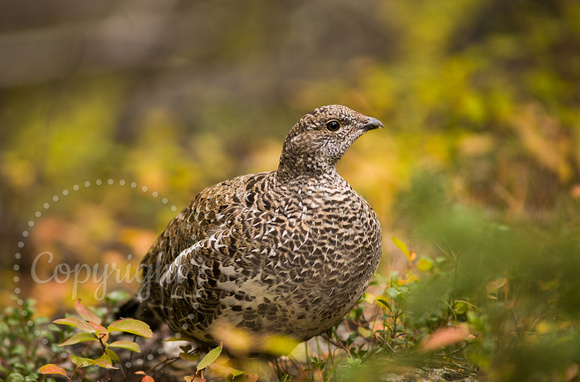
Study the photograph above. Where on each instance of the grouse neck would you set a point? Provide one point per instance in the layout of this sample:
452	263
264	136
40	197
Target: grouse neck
304	168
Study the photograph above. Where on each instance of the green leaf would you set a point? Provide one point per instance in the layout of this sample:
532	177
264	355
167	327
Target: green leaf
355	363
85	313
394	293
116	297
179	337
209	358
79	337
236	373
81	361
52	369
34	378
128	345
104	363
106	358
130	325
19	350
384	303
188	357
111	353
186	348
475	320
76	323
15	377
365	332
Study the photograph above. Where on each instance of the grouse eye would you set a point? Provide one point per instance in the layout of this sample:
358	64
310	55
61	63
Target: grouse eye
333	125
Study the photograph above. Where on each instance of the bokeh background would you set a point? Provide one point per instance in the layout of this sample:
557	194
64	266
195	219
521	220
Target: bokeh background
113	114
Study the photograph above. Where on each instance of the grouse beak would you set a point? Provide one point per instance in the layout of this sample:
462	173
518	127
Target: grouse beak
372	124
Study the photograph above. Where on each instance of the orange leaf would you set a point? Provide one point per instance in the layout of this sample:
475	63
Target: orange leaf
52	369
445	336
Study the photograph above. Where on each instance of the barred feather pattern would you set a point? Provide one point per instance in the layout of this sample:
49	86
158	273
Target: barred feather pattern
285	252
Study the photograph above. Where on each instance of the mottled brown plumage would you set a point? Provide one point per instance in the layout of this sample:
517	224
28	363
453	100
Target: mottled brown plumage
285	252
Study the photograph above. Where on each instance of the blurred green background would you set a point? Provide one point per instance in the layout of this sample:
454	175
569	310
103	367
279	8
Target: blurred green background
113	114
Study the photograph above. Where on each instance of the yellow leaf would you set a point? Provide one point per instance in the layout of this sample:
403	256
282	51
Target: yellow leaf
425	264
279	345
403	247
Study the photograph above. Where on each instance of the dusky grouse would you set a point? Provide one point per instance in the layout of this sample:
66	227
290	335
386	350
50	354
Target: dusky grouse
285	252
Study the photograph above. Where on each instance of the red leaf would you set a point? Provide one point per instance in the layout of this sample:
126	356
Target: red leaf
76	323
97	327
85	313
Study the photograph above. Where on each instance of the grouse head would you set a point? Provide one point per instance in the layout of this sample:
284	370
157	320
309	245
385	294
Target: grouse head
320	138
